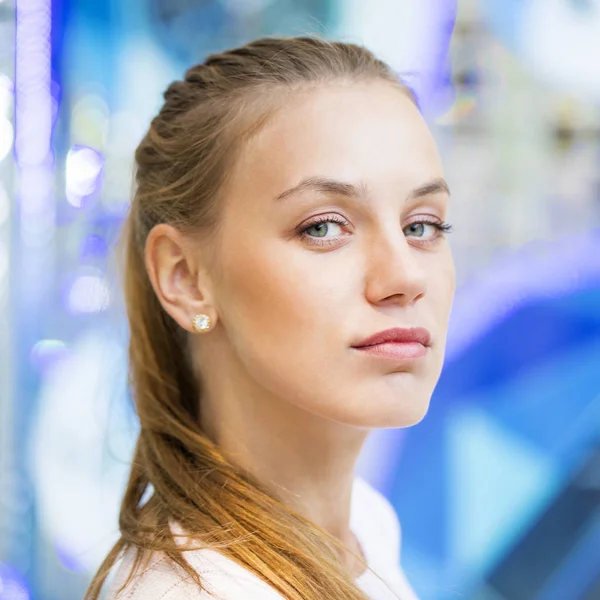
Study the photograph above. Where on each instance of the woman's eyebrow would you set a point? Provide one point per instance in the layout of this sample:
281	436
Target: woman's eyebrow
435	186
358	191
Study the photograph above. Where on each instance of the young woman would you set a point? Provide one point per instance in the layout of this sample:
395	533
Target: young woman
288	286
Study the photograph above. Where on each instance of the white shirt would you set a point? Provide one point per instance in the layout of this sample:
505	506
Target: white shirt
372	520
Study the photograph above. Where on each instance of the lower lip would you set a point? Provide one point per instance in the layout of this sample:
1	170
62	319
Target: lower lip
396	351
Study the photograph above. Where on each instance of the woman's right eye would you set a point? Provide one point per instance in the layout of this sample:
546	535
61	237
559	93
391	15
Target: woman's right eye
317	231
321	229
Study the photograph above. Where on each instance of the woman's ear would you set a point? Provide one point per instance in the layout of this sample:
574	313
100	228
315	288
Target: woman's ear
177	275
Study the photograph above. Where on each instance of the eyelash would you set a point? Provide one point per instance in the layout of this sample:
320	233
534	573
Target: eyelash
442	226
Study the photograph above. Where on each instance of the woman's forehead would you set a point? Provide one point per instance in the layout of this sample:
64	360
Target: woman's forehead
371	132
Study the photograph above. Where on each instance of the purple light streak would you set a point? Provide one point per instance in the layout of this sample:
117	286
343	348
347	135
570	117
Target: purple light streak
33	116
538	270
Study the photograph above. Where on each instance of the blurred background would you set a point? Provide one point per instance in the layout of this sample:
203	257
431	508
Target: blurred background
498	489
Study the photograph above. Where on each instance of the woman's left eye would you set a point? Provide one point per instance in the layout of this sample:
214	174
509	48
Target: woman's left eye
418	229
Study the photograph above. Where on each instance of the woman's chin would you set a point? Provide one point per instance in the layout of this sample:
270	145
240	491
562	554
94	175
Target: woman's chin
406	415
387	411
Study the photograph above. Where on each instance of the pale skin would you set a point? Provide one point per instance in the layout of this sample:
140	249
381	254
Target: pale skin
285	394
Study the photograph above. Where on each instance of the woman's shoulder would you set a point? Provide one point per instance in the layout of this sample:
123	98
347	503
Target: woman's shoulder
161	579
156	578
372	518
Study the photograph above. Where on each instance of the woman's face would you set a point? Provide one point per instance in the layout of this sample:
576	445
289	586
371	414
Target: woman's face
307	276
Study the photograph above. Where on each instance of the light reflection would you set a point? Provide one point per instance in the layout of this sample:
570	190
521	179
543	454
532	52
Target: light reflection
82	171
88	294
6	94
46	352
89	121
3	261
4	206
6	137
12	584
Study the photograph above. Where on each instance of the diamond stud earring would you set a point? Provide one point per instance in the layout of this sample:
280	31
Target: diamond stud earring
202	323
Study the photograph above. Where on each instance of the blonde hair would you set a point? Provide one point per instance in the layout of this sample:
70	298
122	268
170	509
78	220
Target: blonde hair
177	473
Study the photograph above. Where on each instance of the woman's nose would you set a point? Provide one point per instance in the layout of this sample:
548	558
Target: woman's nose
394	271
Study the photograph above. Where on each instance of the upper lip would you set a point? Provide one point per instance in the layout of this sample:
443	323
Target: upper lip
398	335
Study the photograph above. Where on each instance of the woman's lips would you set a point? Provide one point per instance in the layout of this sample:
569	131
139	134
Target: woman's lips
396	350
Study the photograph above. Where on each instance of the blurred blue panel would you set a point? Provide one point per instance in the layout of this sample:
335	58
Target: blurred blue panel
579	569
